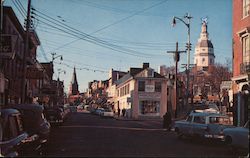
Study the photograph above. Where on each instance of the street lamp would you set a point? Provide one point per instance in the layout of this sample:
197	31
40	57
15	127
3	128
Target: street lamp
187	18
54	57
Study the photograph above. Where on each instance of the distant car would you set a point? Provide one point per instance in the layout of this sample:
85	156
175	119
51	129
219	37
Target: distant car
13	135
36	125
80	108
203	124
107	113
98	111
54	115
238	136
86	107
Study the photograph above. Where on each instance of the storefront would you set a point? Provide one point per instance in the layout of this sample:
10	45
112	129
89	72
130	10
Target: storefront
149	107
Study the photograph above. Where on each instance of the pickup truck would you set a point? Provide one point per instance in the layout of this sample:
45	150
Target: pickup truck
203	124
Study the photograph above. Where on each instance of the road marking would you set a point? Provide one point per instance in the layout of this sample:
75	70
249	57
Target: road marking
112	127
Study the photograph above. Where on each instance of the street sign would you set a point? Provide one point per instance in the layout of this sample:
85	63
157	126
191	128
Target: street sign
7	43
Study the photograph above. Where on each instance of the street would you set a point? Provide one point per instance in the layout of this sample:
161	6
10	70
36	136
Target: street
89	135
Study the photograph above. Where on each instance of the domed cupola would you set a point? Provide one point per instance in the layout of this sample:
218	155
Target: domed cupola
204	49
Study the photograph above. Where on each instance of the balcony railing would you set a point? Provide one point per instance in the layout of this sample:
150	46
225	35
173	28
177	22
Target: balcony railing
245	68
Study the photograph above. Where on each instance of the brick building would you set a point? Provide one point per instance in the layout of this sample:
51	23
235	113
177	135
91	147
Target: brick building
241	60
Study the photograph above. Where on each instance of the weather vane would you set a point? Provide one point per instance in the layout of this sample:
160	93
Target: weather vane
204	20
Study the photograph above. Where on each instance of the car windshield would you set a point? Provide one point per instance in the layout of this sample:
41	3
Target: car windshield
219	120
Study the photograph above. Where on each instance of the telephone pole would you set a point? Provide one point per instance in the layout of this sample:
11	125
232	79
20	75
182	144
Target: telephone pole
176	59
26	51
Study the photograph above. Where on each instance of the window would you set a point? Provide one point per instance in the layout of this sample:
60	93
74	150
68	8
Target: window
157	86
199	119
203	60
246	8
246	49
141	86
189	118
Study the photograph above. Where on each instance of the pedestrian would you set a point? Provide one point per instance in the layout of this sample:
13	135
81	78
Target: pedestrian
119	112
167	120
123	112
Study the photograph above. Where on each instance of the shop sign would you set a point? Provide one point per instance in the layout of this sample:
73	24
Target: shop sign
7	43
149	88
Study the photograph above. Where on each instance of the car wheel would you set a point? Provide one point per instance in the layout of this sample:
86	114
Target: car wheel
179	134
228	140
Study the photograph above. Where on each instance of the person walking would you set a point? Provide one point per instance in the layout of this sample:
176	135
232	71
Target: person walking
119	110
167	120
123	112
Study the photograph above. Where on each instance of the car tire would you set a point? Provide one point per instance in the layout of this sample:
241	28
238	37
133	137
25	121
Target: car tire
228	140
179	134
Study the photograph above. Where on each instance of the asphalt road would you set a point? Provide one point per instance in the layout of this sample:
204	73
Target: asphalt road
87	135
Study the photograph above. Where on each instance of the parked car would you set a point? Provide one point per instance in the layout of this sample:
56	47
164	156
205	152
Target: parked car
203	124
107	113
35	124
66	111
98	111
12	134
80	108
238	136
54	115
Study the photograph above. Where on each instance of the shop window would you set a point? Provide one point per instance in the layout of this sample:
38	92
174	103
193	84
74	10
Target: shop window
246	8
157	86
141	86
149	107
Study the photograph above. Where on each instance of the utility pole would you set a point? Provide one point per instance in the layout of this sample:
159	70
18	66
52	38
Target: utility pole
26	51
187	24
176	59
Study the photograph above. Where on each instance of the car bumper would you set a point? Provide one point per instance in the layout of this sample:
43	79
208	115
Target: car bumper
221	137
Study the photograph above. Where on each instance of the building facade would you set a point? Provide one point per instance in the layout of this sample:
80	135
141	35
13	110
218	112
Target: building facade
241	60
142	92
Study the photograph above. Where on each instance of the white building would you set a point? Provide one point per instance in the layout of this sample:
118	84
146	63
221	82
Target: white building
204	51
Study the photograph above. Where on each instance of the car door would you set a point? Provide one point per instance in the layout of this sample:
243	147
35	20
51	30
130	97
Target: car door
13	135
198	126
186	126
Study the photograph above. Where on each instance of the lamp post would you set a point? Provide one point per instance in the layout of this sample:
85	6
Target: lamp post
54	57
187	24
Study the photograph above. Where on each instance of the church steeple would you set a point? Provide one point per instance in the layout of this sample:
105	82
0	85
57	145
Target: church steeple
73	89
74	80
204	50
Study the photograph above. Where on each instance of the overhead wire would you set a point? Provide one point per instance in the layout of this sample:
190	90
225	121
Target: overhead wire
81	35
123	19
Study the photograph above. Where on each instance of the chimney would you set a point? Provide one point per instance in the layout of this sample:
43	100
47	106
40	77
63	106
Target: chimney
145	65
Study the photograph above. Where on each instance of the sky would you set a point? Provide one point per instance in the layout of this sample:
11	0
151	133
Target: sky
97	35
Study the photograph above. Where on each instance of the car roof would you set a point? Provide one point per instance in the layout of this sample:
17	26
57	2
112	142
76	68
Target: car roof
206	114
32	107
6	112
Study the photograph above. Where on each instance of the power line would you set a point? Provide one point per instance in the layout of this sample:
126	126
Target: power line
89	38
121	20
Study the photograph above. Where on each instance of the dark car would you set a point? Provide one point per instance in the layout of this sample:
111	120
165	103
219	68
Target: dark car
12	134
54	115
36	125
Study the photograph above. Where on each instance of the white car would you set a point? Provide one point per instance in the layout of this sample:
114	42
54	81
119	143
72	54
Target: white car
203	124
107	113
98	111
237	136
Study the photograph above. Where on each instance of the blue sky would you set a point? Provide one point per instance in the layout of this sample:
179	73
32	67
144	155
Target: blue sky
141	30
